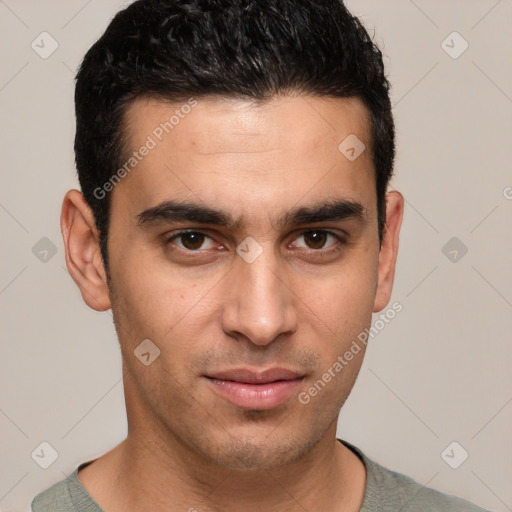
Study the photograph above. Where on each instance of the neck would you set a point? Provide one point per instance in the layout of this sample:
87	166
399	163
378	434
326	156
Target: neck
146	469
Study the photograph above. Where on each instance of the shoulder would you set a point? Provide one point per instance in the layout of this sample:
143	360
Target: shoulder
400	490
388	490
68	495
56	498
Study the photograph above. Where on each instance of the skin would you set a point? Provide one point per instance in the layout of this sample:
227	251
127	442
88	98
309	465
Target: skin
298	306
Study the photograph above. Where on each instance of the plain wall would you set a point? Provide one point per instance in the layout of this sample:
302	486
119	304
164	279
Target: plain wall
438	373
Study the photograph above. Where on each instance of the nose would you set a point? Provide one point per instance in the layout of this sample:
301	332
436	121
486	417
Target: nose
259	304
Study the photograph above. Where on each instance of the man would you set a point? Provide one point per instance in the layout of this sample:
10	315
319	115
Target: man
262	130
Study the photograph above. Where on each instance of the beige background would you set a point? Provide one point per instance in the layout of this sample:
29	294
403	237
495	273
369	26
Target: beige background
439	372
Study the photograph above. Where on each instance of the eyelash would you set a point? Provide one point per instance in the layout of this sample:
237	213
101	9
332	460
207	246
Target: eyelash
331	250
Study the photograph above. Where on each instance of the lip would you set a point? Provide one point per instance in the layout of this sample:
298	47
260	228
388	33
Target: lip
255	390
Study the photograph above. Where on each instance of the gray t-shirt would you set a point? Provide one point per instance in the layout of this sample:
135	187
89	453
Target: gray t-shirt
386	491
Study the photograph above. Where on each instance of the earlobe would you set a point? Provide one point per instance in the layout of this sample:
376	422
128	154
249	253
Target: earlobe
83	257
389	249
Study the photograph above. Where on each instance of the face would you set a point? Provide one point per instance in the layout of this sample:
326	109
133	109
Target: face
244	246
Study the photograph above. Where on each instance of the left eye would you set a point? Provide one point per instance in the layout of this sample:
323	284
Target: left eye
316	239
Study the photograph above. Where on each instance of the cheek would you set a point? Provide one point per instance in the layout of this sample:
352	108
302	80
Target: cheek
173	311
147	296
343	300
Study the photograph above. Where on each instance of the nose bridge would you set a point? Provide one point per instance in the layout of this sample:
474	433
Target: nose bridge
259	305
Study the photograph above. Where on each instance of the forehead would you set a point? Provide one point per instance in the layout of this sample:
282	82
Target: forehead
266	153
280	122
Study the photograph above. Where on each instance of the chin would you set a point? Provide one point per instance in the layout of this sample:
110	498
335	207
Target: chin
268	451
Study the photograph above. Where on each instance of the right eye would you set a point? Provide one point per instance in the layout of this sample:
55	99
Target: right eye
191	241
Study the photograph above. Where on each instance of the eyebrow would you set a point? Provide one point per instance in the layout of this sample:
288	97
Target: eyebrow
322	211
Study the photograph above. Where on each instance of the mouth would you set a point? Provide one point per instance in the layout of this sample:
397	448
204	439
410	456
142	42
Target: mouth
253	390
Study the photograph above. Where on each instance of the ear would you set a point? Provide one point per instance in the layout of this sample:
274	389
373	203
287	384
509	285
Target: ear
389	249
83	257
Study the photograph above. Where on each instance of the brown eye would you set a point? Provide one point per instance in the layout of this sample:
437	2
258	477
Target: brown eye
190	240
316	239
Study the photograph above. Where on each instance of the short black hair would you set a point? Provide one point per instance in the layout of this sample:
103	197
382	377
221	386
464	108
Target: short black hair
253	49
